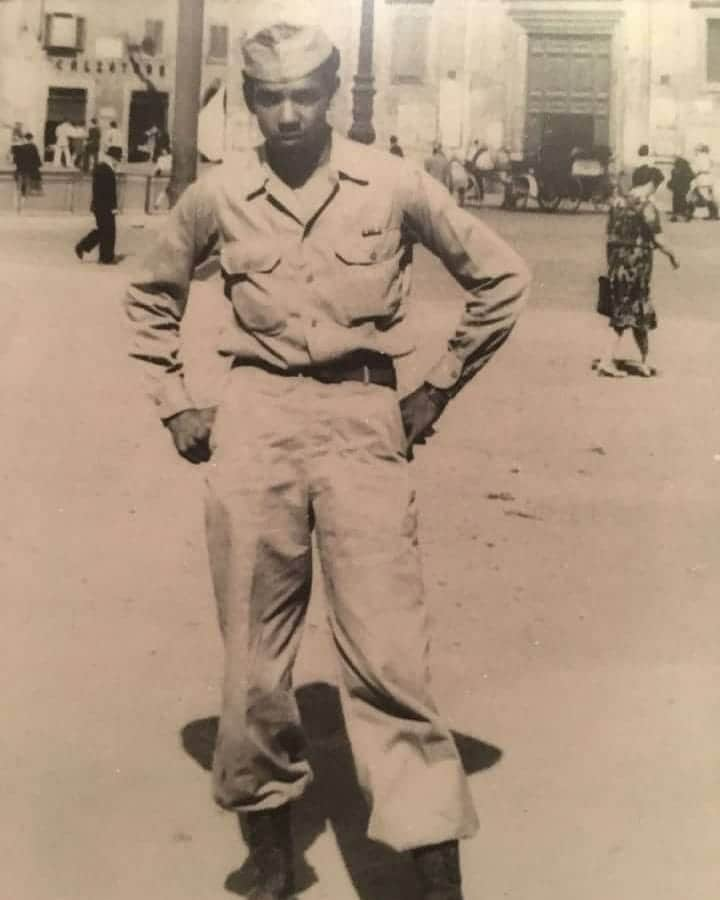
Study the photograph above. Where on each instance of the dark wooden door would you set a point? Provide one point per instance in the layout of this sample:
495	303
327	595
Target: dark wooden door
568	89
147	108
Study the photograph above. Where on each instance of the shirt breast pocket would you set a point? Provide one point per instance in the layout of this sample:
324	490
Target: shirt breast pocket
247	270
369	269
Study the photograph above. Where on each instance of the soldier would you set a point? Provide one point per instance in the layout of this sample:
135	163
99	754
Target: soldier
316	235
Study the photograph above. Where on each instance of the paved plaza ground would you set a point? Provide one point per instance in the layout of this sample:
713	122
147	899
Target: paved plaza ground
570	527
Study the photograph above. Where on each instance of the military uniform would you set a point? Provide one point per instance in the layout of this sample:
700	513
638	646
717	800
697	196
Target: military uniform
309	437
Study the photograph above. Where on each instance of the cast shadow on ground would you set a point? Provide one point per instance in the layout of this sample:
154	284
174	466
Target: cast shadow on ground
335	799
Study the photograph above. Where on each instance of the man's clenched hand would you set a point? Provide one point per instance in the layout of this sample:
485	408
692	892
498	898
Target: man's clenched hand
420	410
190	431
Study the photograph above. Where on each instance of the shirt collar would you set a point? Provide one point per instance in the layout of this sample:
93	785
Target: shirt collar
346	162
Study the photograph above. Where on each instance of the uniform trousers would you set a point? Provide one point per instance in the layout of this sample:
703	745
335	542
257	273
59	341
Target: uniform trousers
293	456
103	234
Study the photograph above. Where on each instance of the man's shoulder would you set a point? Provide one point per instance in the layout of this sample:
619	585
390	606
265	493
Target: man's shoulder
349	154
238	174
373	165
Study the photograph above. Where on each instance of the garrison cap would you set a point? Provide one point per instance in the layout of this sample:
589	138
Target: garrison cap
285	51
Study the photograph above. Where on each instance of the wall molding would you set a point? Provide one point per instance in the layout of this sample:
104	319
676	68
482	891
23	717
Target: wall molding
547	17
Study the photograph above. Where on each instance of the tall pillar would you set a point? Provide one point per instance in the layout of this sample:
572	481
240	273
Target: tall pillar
363	92
188	75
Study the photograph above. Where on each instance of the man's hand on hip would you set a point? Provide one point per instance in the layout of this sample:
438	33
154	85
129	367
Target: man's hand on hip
420	410
190	431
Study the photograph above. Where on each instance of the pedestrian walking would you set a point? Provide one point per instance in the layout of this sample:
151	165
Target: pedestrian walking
27	166
395	147
92	146
681	177
633	233
309	436
104	206
438	166
114	142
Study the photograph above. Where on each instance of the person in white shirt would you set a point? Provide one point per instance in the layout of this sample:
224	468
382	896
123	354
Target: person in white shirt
163	167
702	187
61	155
114	142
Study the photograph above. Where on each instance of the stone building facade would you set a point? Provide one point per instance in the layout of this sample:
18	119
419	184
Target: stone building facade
517	73
618	73
80	59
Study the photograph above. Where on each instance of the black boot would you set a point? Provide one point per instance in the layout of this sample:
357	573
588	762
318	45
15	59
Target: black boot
438	867
269	841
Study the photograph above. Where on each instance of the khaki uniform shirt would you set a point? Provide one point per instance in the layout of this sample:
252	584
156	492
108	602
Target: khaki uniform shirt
318	273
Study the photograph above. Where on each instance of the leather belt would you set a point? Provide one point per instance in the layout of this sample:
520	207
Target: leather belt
361	365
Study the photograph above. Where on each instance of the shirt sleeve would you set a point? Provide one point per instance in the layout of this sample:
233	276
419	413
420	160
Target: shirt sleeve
494	276
155	304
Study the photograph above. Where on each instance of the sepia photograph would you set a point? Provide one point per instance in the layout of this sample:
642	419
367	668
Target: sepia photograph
361	461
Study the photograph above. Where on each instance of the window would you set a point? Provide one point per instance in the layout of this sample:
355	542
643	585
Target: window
712	64
218	43
64	33
410	49
152	44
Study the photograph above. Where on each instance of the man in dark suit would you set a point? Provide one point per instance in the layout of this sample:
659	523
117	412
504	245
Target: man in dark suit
104	205
27	166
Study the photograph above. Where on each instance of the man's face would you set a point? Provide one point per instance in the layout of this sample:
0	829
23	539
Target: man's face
293	115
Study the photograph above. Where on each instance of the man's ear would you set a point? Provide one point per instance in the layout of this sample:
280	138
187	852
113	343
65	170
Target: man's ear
249	95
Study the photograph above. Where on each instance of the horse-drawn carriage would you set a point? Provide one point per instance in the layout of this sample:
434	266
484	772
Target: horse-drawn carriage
556	181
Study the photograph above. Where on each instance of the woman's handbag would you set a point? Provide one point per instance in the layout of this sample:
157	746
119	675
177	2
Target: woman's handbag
604	297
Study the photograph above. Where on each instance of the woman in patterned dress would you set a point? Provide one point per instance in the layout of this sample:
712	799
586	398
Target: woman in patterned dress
633	231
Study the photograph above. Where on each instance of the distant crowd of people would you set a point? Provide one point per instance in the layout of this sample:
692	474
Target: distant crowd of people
84	148
76	145
462	173
693	186
93	150
79	146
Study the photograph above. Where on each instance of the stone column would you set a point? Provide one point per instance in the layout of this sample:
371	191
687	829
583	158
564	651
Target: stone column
188	74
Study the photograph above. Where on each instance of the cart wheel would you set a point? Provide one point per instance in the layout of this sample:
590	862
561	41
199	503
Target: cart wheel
548	198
